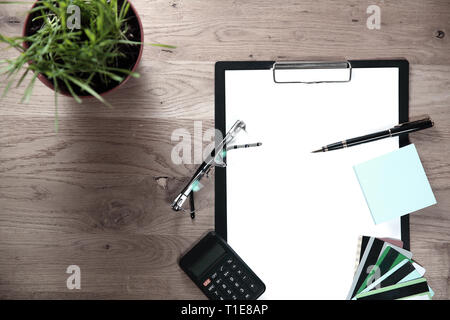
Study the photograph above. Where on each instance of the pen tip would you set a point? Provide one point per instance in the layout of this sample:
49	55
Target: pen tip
317	151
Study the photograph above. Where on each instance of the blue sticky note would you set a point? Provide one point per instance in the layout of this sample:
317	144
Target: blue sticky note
395	184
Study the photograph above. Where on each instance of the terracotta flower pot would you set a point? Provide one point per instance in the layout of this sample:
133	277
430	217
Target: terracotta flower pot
139	38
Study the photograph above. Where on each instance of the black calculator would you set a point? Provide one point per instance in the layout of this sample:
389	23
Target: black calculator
219	272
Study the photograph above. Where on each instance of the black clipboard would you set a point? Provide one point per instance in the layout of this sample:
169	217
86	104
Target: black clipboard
220	215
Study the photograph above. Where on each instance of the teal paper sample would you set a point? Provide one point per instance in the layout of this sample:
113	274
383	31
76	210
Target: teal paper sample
394	184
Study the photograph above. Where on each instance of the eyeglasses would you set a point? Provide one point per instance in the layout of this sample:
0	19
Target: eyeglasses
215	158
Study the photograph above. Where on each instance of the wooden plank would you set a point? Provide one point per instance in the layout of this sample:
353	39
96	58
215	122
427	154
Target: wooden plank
185	90
93	176
223	30
34	265
97	194
180	90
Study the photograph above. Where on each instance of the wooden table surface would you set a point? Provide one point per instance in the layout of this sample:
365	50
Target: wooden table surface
97	193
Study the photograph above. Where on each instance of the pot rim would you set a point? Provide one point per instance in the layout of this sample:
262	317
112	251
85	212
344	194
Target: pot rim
49	84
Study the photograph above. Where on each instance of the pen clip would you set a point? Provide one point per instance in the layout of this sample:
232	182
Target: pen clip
414	119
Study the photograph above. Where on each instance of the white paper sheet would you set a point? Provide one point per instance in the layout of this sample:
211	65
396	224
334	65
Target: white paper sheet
294	216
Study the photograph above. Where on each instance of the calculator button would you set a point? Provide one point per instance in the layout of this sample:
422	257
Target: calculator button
224	286
211	288
206	282
231	279
214	275
252	287
237	285
234	297
229	260
226	273
239	272
247	296
241	290
245	278
222	268
233	266
218	281
229	291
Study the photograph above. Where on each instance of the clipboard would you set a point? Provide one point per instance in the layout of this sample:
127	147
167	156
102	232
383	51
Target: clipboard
268	75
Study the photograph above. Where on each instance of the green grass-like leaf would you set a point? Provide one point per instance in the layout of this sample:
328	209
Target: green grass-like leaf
75	59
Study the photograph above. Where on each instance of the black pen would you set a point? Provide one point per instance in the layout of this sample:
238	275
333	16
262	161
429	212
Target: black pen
400	129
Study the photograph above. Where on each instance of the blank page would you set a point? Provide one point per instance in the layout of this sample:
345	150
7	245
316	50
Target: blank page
294	216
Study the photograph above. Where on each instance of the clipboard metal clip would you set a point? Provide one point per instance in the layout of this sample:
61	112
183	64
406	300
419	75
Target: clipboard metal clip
340	70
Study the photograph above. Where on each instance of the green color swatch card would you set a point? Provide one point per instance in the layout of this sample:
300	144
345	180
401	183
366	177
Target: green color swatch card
394	184
397	291
388	259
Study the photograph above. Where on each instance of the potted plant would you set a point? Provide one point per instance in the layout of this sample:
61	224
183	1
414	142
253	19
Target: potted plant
79	48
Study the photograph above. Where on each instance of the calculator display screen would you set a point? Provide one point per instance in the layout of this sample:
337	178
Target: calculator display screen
207	259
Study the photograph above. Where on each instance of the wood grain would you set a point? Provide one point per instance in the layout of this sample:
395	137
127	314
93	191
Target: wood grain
97	193
264	29
170	89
